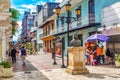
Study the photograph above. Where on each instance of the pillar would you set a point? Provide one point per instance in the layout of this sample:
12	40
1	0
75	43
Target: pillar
3	44
76	61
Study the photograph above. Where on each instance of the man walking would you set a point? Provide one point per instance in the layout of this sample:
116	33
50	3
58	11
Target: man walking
23	55
13	54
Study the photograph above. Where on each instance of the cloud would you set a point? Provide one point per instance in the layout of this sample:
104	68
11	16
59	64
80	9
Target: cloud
58	0
41	3
30	6
26	7
20	9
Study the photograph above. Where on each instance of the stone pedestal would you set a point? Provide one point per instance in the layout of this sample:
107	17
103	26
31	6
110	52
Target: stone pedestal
76	61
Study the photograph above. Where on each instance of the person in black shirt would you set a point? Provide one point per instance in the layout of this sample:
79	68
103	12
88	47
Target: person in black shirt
13	54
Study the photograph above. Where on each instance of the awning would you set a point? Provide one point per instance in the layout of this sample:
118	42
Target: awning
112	31
48	38
114	39
46	22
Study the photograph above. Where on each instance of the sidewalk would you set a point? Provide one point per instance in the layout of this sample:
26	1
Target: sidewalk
27	72
40	67
43	62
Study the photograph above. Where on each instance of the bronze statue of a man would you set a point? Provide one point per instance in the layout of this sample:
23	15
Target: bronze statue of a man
75	42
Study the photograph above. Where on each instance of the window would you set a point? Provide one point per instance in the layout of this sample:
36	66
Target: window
91	7
91	11
29	27
30	21
52	26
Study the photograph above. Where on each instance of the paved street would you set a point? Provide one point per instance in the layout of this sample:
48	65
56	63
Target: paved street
28	72
43	62
40	67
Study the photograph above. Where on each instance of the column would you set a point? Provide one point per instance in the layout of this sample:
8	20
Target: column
3	43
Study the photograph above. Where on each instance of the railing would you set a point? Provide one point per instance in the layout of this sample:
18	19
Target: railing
85	20
81	22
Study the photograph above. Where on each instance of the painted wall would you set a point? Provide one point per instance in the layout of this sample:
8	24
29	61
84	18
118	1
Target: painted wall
0	49
85	20
111	16
99	4
106	3
84	14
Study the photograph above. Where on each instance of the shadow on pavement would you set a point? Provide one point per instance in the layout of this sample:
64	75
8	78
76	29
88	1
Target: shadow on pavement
101	76
18	66
95	75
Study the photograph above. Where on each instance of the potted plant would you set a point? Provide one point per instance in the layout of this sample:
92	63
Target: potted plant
7	70
117	60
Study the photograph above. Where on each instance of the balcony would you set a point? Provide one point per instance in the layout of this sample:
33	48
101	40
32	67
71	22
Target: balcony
86	21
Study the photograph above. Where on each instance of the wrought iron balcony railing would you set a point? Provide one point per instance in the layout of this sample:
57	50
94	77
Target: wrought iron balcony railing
80	23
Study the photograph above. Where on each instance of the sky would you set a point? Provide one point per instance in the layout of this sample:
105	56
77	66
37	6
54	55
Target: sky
24	5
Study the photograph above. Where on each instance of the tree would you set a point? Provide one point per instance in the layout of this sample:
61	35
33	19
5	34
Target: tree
15	17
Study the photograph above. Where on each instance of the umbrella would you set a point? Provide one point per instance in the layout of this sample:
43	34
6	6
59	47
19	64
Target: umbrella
98	37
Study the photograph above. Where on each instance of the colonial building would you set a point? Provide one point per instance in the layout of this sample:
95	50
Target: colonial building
87	23
27	23
5	27
92	16
111	23
47	23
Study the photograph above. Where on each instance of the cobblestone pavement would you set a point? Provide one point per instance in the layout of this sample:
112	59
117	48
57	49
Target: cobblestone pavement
43	63
96	73
42	68
27	72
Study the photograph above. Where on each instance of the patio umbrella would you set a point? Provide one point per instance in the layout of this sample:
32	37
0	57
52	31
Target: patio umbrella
98	37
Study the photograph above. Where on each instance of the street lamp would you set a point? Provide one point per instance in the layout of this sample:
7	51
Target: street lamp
68	7
77	10
58	9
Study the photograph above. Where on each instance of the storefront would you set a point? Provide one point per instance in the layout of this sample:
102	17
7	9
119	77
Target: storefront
114	42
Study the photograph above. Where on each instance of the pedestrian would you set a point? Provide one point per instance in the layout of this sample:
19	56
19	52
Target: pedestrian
9	52
103	54
112	55
17	53
88	52
107	53
92	60
13	54
108	58
98	53
23	55
44	49
31	50
36	50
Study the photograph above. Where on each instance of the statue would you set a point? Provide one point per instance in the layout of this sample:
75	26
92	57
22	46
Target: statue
75	42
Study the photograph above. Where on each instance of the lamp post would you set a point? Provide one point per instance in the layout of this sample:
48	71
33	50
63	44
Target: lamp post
53	53
68	20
